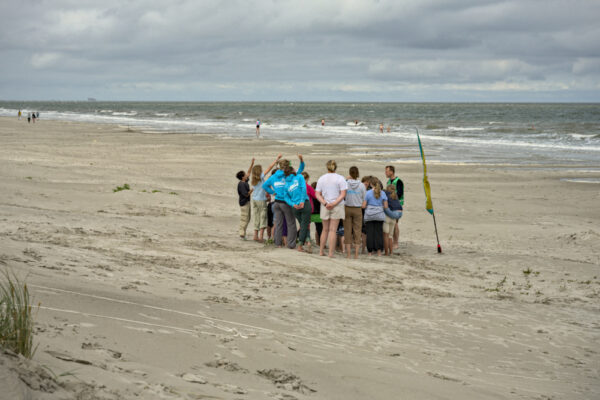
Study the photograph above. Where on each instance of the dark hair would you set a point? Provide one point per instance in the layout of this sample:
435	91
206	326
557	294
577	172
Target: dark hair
314	185
354	172
240	175
391	168
305	175
288	170
366	179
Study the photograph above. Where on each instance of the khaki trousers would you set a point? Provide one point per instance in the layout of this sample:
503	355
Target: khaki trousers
353	225
259	210
244	218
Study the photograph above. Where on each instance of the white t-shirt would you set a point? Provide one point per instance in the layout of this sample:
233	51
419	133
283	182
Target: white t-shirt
331	185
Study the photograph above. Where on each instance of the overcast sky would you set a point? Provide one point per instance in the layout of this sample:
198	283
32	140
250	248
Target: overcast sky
323	50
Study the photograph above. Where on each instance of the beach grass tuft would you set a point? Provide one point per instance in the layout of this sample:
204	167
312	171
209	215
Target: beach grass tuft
124	187
16	316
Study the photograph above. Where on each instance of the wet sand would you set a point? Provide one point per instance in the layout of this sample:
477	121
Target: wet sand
149	293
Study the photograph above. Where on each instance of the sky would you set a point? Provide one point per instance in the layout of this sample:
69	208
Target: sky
279	50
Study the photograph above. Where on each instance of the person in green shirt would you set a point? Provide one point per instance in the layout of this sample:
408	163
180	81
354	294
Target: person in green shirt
390	173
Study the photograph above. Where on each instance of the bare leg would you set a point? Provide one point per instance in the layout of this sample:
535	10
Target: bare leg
348	250
356	252
396	235
386	244
256	235
261	234
333	225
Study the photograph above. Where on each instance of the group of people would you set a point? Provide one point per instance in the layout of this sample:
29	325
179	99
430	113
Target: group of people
31	116
346	211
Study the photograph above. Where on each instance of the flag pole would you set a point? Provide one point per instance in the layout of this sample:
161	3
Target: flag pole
436	234
426	186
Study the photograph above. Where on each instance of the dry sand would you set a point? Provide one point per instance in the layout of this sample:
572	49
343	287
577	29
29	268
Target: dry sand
152	295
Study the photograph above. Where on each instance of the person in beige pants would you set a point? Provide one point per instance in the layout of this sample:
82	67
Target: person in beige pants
244	193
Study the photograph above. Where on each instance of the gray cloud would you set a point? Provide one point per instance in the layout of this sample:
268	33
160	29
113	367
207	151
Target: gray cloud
271	49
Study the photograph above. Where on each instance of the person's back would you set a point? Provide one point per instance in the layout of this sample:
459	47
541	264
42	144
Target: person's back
355	194
393	202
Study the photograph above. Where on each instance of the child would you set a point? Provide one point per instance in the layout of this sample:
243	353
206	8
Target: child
259	199
340	244
353	222
392	214
374	204
244	193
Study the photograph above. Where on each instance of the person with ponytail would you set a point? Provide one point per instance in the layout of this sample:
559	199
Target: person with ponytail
374	204
392	214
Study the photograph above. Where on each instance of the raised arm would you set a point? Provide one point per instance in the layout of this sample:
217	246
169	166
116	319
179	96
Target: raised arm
301	166
272	165
250	169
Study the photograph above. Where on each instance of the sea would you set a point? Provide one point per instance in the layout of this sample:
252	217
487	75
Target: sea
511	134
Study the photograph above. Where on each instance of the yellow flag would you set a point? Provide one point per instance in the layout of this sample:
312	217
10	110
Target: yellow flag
426	186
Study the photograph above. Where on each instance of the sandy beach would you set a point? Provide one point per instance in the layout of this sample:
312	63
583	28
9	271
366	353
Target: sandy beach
149	293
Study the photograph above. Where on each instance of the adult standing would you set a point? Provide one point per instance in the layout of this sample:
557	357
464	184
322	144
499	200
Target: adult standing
353	210
282	212
390	173
19	115
28	117
257	128
331	191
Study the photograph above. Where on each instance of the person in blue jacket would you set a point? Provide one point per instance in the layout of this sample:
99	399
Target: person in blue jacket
275	185
297	198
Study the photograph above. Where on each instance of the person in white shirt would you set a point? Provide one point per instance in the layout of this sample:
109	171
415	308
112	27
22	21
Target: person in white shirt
330	192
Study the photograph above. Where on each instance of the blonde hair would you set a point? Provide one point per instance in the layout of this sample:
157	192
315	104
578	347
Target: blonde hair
256	171
283	163
392	190
376	187
331	165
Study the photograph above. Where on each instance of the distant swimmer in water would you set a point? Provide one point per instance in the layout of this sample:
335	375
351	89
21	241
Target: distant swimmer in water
258	128
381	127
355	122
322	122
389	129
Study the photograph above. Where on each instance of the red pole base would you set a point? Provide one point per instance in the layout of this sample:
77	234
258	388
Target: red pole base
439	248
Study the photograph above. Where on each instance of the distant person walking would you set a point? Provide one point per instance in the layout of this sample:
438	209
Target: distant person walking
381	127
322	122
19	115
33	117
28	117
257	128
